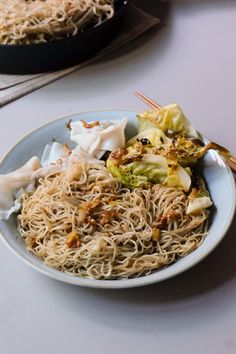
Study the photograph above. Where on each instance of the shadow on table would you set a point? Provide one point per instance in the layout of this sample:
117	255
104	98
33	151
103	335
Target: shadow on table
153	308
195	5
218	268
161	9
158	9
213	272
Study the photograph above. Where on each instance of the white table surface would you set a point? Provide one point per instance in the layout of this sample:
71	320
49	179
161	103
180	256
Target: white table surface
192	60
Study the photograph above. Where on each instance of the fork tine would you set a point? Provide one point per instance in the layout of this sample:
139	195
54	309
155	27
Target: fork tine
232	159
232	165
147	100
223	151
220	148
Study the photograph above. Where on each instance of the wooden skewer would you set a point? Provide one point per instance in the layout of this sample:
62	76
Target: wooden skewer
230	159
147	100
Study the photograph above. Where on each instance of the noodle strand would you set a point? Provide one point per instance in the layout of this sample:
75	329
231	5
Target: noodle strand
116	234
40	21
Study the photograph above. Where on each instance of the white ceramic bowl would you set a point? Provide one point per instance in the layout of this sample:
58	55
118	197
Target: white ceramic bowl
217	174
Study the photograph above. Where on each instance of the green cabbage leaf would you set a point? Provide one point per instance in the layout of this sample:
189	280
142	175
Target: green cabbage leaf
149	168
167	118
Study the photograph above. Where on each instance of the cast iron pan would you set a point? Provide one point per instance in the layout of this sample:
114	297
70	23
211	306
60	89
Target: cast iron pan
37	58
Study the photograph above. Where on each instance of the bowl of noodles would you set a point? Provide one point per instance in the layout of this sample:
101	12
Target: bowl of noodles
109	200
51	35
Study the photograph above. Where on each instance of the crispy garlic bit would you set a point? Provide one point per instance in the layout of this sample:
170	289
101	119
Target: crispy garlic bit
155	234
89	125
30	242
107	216
67	149
162	221
72	239
68	124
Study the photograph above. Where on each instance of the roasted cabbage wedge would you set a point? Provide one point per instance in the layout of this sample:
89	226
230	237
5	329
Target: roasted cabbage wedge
164	151
135	169
167	118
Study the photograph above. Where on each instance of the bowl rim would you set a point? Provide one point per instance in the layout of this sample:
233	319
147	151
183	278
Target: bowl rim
67	40
155	277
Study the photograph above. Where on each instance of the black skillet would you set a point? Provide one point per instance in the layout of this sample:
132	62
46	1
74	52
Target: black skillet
51	56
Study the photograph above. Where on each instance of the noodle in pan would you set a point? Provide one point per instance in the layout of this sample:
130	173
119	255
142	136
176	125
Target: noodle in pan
40	21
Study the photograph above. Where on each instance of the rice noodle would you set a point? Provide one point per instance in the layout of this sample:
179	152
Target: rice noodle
39	21
126	244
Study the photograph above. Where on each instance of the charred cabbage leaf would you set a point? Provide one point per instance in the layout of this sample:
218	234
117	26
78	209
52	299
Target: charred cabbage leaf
168	118
154	136
199	197
135	169
179	148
